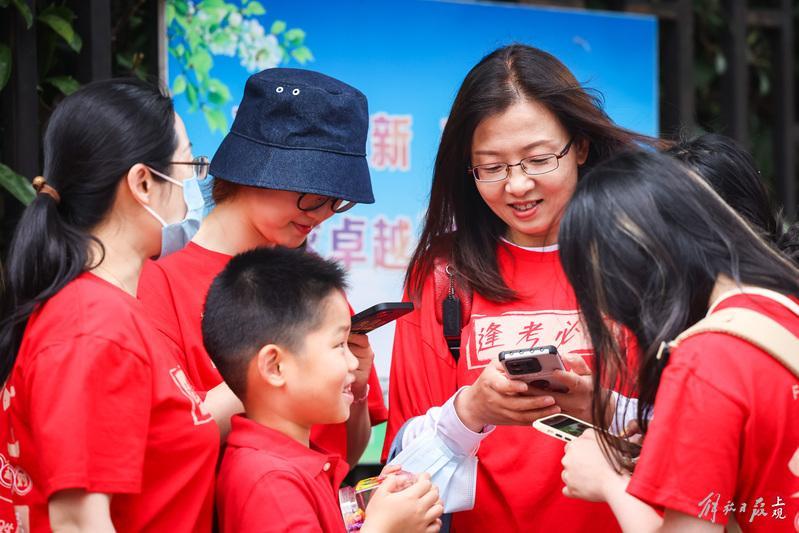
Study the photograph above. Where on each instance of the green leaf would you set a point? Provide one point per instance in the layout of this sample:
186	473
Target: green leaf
25	11
3	3
254	8
63	28
170	13
211	4
126	62
17	185
181	7
202	61
5	65
278	27
179	85
218	92
302	54
294	36
191	95
216	119
66	84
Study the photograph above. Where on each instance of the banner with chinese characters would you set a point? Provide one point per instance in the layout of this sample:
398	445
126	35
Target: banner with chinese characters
408	57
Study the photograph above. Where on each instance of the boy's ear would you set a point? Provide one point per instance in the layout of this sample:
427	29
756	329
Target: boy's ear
268	365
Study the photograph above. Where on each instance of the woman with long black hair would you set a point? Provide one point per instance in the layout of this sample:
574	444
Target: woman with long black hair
104	430
520	134
723	441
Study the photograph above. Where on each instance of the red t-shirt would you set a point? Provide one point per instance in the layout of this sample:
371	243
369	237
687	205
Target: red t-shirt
173	291
725	431
98	400
270	482
518	479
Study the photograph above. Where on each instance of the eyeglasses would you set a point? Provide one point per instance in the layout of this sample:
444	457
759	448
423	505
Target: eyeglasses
532	166
200	166
311	202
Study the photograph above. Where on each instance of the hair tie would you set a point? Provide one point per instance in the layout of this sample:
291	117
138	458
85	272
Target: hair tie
41	186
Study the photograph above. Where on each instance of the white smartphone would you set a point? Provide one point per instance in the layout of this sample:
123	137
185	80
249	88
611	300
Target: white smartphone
534	366
563	427
567	428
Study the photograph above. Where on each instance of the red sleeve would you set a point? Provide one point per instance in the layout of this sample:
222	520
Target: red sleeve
423	371
692	447
279	502
90	415
156	296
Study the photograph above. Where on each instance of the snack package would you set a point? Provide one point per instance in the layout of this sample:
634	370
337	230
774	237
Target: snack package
353	501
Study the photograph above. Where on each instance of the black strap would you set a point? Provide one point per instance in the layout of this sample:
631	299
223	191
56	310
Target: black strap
451	318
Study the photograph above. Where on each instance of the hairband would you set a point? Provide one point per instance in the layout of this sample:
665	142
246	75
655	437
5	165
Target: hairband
41	186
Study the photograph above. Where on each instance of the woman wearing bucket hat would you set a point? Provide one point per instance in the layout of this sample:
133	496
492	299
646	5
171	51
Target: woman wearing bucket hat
520	134
104	430
294	157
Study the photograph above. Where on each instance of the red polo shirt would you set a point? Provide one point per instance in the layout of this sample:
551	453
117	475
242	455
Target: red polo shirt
270	482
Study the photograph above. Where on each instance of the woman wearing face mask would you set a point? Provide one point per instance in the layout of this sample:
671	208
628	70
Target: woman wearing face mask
104	429
294	157
723	443
520	133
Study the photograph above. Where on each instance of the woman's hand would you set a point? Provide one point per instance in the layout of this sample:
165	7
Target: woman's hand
578	401
496	399
362	350
587	474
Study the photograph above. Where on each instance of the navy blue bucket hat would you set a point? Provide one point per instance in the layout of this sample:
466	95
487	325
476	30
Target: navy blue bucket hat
298	130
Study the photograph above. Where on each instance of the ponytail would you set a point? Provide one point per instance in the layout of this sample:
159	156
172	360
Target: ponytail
93	138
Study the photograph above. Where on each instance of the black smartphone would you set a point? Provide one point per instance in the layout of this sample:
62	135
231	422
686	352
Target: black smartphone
379	315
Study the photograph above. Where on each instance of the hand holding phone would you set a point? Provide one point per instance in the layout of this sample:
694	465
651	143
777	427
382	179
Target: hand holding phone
567	428
535	366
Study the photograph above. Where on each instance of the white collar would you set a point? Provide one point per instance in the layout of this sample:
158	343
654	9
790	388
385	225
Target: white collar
550	248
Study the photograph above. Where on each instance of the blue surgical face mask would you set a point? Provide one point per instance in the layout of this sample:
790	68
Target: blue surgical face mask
178	234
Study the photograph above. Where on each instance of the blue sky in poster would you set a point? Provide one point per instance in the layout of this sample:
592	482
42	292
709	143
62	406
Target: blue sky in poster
409	56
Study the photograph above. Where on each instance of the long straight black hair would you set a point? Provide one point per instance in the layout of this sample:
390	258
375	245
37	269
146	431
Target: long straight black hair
458	224
732	173
92	139
642	242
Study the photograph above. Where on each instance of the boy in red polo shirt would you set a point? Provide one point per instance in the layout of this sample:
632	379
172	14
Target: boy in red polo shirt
276	324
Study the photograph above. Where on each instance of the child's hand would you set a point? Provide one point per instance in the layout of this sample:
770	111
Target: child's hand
414	509
405	479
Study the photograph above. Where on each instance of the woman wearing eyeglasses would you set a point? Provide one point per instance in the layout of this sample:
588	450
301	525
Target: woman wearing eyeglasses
520	134
294	157
102	429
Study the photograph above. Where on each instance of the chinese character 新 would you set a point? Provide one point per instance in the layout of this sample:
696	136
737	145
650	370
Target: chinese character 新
390	243
391	142
348	241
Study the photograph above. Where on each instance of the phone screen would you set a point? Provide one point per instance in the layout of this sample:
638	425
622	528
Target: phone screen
568	425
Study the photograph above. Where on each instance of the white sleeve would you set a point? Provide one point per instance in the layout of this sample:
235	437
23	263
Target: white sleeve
439	443
626	412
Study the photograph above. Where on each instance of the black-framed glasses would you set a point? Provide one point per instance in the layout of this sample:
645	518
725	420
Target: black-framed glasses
311	202
534	165
199	164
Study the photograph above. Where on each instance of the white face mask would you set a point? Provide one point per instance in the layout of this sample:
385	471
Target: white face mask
178	234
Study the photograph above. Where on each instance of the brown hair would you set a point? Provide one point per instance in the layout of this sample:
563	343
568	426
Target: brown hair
224	190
